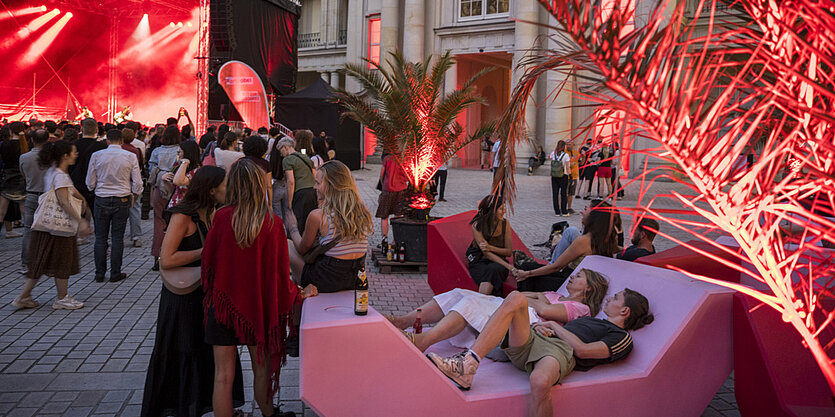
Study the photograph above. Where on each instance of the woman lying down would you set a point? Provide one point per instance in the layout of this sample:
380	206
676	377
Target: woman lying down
462	314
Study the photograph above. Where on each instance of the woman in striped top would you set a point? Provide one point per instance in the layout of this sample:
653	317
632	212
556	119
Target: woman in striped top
341	225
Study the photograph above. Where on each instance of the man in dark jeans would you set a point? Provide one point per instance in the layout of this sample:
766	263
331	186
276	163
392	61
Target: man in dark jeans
85	146
114	176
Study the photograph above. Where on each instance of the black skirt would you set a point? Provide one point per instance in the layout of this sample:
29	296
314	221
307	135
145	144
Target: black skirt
181	372
331	274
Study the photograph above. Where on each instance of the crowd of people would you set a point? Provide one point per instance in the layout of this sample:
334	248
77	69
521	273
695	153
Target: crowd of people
256	221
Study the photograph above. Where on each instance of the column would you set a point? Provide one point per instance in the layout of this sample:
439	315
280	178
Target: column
413	34
389	28
525	35
357	41
334	81
325	76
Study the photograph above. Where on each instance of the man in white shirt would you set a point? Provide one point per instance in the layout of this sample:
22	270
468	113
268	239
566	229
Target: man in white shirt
138	144
560	173
495	154
115	178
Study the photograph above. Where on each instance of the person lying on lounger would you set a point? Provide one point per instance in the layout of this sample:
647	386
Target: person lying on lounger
461	314
549	351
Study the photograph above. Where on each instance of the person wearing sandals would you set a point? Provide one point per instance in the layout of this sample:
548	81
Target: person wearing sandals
461	314
56	256
249	295
342	224
180	377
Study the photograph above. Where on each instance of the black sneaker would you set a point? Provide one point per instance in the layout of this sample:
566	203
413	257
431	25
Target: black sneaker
571	211
156	265
99	278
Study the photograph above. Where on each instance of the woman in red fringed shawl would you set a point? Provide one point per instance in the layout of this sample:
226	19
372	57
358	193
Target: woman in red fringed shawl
249	294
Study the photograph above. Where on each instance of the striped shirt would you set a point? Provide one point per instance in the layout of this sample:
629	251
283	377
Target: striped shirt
591	330
345	247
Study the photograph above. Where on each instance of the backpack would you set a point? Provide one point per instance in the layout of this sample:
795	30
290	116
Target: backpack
557	168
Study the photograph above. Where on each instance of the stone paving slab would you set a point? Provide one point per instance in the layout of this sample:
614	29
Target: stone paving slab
92	361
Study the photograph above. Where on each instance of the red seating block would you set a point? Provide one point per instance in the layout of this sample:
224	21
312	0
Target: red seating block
695	262
448	239
774	374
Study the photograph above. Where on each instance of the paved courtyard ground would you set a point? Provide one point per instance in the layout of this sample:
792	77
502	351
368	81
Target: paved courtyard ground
92	361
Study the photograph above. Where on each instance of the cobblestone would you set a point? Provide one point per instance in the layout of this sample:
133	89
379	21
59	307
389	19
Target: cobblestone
92	361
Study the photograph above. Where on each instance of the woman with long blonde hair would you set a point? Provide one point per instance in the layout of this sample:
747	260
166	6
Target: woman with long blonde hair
249	295
341	225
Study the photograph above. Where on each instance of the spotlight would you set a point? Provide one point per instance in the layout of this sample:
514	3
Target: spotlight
56	11
172	24
189	24
145	15
43	8
69	14
179	24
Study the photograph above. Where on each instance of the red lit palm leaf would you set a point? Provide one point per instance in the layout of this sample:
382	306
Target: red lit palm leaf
763	83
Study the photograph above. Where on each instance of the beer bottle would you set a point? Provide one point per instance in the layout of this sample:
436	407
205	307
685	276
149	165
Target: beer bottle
361	293
402	252
418	325
384	246
390	254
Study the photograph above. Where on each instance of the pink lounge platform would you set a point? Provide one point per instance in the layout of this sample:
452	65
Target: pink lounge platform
362	365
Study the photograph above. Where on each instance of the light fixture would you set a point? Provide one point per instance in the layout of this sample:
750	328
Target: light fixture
43	8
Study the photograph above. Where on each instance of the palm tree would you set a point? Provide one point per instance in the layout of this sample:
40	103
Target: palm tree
404	107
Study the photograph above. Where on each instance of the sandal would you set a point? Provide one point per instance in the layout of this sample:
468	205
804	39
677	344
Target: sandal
410	336
278	413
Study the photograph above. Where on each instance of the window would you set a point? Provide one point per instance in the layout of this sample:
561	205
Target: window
374	40
480	9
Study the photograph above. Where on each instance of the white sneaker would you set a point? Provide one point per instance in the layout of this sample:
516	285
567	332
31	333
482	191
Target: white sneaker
67	303
459	368
27	302
13	234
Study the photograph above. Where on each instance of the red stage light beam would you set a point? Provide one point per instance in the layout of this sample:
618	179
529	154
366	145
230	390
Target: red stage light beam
147	44
39	46
142	31
22	12
30	28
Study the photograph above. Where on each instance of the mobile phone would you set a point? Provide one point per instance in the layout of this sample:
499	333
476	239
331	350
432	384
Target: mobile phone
304	151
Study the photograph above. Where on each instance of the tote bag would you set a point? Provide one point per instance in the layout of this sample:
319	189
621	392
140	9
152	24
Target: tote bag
50	217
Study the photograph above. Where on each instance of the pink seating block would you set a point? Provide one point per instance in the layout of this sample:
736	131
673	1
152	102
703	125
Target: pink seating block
448	239
695	262
352	365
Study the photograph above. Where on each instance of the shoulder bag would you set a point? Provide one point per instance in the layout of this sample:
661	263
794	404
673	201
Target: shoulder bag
51	218
182	280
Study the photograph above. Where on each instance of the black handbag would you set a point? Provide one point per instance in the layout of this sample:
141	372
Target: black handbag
318	250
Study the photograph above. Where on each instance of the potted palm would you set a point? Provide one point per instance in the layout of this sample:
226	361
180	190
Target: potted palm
403	105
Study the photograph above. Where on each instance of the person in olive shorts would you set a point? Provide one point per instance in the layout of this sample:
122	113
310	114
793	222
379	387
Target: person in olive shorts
547	350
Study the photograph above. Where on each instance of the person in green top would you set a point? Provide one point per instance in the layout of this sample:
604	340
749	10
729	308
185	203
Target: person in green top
299	172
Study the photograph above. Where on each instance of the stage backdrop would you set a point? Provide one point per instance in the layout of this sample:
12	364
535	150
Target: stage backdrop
260	33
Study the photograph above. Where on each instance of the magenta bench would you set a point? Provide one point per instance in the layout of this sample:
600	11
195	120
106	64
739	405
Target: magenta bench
353	365
447	241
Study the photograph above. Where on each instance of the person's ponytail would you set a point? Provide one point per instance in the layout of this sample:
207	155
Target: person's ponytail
639	315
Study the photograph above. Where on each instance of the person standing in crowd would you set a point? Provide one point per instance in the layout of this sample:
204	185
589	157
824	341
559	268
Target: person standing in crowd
440	180
342	224
180	377
589	160
184	171
280	203
138	140
604	171
71	134
226	154
320	152
300	178
304	141
56	256
271	141
394	183
486	152
87	145
494	156
574	159
249	294
207	137
560	173
13	184
115	178
161	162
254	149
135	213
491	246
331	142
34	174
642	239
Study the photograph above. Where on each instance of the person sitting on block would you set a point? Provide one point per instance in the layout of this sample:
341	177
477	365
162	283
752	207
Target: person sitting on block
547	350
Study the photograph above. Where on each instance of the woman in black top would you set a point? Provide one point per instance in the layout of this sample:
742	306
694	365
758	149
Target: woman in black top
492	244
180	376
